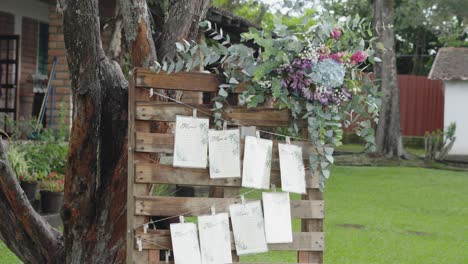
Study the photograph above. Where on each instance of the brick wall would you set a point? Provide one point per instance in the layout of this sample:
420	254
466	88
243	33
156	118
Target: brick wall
7	27
62	82
28	42
7	23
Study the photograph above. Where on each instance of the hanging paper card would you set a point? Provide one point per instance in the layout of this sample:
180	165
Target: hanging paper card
248	228
224	153
292	168
215	239
277	210
185	243
191	142
257	163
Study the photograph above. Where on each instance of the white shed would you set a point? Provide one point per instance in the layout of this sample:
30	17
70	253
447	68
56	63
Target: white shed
451	66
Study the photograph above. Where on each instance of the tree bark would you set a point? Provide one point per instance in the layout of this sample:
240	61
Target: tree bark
388	138
94	204
137	27
181	23
94	212
23	230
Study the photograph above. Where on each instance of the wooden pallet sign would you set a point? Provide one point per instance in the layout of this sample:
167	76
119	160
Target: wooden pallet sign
149	164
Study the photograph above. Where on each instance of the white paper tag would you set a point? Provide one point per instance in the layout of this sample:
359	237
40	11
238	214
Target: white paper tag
257	163
215	238
191	142
224	153
185	243
292	168
277	211
248	228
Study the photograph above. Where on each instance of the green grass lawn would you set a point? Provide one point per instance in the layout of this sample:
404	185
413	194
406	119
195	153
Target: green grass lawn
393	215
386	215
356	148
6	257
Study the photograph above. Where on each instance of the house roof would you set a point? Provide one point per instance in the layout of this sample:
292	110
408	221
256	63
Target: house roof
450	64
227	19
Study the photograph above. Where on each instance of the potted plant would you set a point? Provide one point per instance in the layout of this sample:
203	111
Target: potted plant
21	166
52	193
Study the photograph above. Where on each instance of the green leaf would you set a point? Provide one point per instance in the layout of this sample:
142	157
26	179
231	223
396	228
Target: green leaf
223	92
380	45
218	105
233	80
328	150
326	173
179	46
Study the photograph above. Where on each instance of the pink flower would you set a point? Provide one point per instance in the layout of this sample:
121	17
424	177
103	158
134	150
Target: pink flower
336	33
338	57
324	57
359	56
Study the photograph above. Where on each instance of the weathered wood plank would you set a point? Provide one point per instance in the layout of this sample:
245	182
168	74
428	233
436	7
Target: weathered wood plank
311	225
164	143
240	116
195	206
306	241
131	253
167	174
184	81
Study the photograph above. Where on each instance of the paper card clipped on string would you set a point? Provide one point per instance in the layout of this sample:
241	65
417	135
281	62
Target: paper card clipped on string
215	238
257	163
224	153
292	168
191	142
185	245
277	211
248	228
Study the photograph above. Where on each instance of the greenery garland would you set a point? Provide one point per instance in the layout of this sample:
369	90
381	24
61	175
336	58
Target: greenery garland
316	72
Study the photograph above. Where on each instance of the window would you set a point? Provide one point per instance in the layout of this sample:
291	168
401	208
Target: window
43	47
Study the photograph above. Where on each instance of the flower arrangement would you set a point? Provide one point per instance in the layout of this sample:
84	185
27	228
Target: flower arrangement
316	72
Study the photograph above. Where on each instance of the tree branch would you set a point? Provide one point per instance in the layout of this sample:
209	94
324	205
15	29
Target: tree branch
24	231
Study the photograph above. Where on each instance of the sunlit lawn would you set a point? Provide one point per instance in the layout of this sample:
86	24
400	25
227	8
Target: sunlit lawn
393	215
386	215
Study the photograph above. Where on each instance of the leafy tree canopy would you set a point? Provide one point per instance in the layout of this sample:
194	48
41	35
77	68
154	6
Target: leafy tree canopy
421	27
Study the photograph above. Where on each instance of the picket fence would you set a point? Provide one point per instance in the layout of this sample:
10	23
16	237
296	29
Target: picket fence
149	164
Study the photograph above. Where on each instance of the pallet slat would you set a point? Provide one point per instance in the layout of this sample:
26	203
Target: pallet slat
164	143
195	206
150	162
183	81
304	241
240	116
167	174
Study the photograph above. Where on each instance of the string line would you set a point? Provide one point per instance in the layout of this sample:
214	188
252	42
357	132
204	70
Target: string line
203	208
152	92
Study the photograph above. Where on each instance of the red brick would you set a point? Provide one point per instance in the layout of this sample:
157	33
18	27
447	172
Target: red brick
62	75
63	90
55	22
57	82
55	37
57	52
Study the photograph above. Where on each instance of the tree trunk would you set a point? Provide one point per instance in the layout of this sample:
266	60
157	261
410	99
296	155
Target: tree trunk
94	213
181	23
137	27
23	230
94	204
388	138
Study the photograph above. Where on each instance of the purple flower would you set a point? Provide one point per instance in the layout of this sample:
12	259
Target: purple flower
336	33
359	56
